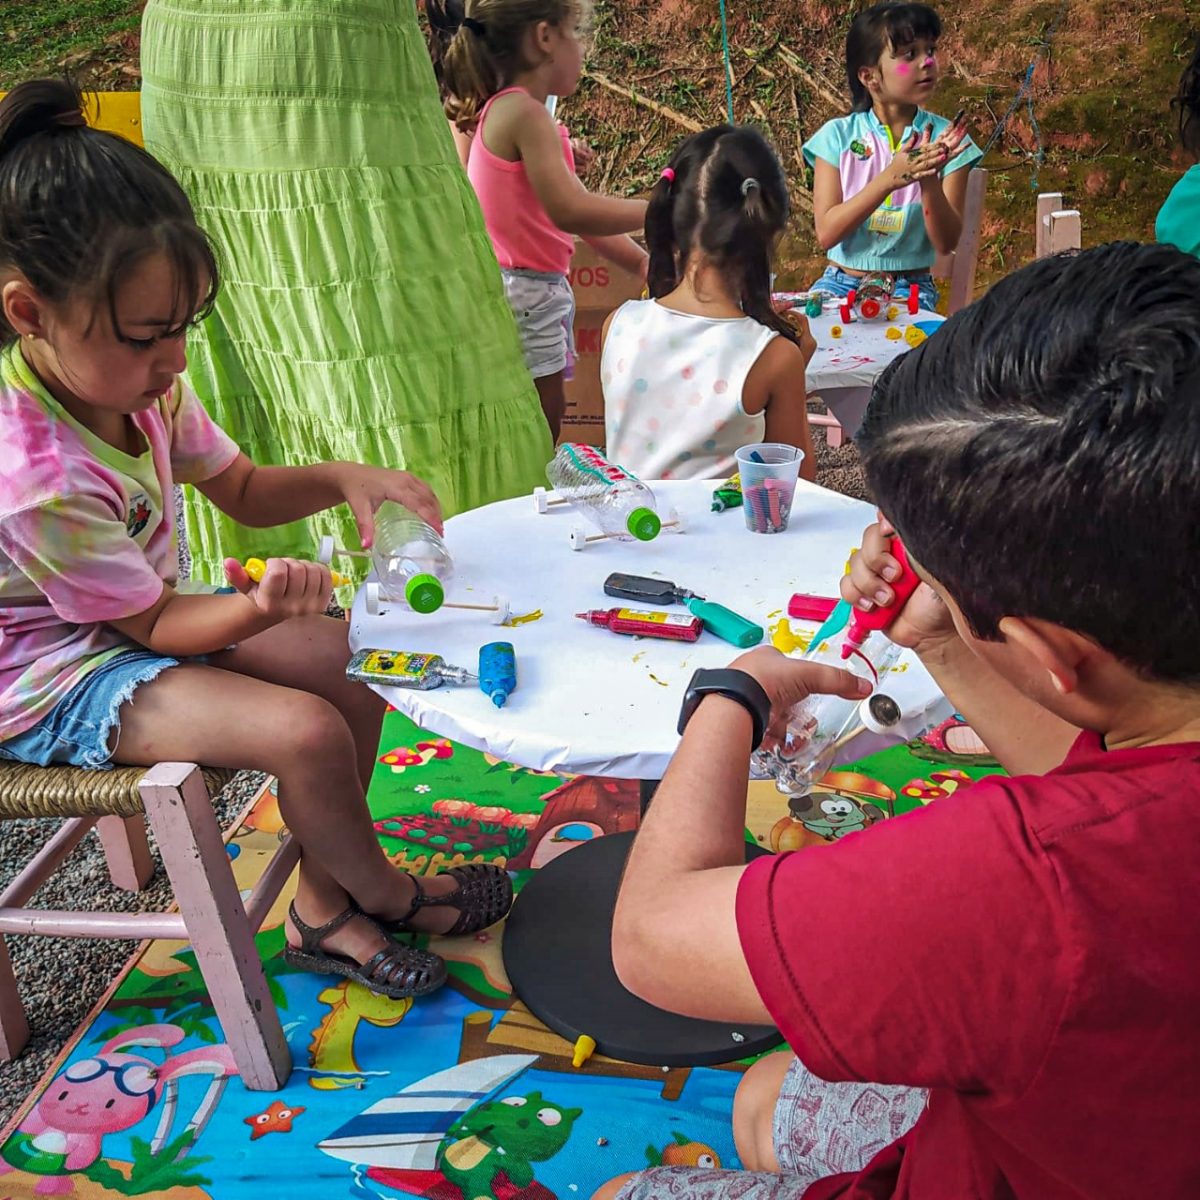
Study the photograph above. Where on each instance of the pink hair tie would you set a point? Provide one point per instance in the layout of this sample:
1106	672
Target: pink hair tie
669	174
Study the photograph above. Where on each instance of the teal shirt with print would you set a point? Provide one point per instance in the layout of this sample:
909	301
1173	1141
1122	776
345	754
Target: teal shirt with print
1178	222
893	238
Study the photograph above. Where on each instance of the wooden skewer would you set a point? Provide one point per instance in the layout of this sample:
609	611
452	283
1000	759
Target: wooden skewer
473	607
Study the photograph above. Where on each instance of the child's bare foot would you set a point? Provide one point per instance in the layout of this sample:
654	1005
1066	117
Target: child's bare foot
476	896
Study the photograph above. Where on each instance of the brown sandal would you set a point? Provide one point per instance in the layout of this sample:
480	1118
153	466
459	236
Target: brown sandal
483	896
397	971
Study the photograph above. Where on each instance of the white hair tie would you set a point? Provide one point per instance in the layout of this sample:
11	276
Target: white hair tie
748	184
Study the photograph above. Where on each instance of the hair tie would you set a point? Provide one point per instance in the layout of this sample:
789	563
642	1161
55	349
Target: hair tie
748	185
71	118
478	28
668	173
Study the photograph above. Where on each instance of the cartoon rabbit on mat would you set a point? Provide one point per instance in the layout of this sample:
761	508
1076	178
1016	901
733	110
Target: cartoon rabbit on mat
109	1093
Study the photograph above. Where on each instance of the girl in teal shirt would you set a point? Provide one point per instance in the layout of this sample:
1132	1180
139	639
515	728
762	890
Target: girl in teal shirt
1179	218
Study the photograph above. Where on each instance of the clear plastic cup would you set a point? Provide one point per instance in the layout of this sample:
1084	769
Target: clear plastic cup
769	471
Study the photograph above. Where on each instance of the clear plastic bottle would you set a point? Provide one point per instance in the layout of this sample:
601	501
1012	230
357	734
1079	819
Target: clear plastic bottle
817	724
411	560
612	499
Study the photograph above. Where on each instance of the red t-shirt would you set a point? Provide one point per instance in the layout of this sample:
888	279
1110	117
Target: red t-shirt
1029	951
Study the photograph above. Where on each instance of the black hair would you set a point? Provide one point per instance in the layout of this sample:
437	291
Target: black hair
1040	454
1186	103
445	18
80	208
877	28
725	194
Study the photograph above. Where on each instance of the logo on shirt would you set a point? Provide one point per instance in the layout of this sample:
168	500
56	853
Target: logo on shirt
861	149
139	514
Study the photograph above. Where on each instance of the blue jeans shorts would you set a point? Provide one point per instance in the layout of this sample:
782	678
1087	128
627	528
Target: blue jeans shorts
837	282
82	729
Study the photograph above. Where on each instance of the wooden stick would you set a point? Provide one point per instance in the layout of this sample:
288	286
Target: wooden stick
645	101
473	607
793	60
603	537
352	553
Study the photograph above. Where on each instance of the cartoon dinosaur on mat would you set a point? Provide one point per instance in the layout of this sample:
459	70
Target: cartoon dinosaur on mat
504	1136
332	1047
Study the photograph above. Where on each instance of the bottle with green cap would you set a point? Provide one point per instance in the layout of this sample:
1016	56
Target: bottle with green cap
410	558
610	497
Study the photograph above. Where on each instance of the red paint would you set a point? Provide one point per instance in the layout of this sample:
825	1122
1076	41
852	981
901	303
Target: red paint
672	627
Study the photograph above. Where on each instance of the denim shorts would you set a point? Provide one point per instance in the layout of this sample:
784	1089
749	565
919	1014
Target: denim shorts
79	730
837	282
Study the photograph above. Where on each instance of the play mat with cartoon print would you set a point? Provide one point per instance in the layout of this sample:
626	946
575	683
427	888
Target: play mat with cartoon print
456	1096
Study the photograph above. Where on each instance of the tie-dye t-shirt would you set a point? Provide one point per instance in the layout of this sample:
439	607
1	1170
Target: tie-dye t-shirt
87	532
861	146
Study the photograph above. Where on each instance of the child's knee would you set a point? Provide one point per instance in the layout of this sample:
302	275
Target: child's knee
311	731
754	1112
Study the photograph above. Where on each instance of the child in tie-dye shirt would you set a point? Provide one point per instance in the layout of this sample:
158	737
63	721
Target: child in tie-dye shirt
102	660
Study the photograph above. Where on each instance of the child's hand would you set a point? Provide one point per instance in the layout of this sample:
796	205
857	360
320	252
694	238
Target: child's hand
917	159
953	139
366	488
583	154
288	587
923	621
787	681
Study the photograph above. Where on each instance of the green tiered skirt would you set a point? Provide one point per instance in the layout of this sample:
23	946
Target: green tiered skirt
362	315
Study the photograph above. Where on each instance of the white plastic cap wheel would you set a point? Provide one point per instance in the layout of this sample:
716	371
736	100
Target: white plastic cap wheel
371	599
880	713
578	539
502	610
675	521
540	499
325	550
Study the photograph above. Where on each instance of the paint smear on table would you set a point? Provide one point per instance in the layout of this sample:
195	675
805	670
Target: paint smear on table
660	682
525	618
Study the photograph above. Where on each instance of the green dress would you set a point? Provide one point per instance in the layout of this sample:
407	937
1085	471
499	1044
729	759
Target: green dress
362	315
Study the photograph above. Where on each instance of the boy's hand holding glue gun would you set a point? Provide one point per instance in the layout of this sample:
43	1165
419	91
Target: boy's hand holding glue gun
923	622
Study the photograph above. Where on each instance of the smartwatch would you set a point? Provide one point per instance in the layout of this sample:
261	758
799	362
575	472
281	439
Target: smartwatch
736	685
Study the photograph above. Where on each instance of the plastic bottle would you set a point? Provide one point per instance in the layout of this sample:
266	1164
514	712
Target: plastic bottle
612	499
816	724
411	560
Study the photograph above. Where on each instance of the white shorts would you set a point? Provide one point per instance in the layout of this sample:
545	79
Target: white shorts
544	306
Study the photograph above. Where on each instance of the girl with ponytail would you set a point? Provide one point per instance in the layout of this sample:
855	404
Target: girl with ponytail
504	58
707	364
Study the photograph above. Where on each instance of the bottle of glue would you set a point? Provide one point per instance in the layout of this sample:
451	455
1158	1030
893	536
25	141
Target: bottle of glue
863	624
636	623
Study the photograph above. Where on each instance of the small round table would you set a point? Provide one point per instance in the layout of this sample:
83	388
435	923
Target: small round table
844	369
593	703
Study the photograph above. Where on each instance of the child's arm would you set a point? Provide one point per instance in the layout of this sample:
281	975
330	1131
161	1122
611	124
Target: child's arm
837	216
523	123
182	626
622	251
943	197
779	374
261	497
1024	736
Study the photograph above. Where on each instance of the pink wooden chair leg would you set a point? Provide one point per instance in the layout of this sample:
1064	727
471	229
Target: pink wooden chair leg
130	863
14	1026
180	812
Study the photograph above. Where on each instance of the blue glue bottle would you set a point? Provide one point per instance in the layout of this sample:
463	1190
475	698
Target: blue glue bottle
497	671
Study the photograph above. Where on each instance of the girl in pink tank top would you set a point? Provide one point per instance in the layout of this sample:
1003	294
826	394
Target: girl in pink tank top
504	59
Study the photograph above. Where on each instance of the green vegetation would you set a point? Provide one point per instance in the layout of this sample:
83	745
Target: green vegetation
91	38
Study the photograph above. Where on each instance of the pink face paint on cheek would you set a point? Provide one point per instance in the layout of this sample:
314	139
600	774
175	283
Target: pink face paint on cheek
902	68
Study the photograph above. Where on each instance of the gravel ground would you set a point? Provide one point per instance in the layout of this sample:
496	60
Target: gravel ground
62	979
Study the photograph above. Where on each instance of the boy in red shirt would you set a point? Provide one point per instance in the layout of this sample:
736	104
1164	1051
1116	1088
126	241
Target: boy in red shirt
1016	969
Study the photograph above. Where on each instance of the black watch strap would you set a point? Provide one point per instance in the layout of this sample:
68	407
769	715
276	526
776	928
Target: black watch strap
735	685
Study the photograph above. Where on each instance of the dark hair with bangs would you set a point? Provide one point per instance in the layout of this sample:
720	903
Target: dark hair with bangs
726	195
877	28
1040	454
1186	103
81	208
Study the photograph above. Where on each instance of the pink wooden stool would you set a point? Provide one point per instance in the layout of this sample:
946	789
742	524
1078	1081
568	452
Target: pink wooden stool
176	799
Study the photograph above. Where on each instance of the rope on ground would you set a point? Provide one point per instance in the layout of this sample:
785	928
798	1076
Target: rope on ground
728	65
1025	92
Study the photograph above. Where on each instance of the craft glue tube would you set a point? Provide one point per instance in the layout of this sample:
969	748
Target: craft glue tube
882	615
497	671
635	622
725	623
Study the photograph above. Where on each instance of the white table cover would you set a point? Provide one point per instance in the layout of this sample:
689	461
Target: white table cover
589	701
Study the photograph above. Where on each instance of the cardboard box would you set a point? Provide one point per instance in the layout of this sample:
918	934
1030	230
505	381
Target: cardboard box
599	287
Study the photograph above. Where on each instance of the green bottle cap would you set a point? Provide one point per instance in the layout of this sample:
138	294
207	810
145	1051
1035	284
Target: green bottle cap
644	524
424	593
726	624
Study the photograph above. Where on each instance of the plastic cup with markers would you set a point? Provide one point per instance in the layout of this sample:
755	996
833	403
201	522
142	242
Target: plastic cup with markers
769	471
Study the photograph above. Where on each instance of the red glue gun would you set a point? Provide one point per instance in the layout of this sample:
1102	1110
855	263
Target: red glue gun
882	615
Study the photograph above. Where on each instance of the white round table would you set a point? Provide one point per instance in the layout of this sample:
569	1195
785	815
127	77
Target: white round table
589	701
843	370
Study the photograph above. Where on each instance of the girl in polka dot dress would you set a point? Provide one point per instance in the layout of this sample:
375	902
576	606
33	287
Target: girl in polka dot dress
707	365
